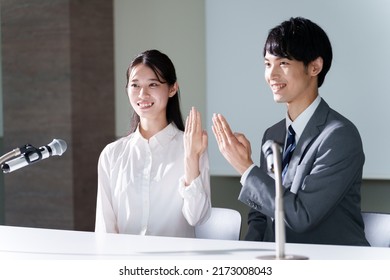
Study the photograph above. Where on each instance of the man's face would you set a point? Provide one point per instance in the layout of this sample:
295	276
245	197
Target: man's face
288	79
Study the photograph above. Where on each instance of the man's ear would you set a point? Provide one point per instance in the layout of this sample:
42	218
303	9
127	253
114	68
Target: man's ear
173	90
316	66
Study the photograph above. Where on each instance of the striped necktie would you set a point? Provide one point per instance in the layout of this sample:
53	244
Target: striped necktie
288	151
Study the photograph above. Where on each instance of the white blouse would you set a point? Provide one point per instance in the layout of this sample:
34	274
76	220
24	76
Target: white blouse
141	187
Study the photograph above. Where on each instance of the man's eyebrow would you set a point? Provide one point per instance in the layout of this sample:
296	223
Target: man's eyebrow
277	58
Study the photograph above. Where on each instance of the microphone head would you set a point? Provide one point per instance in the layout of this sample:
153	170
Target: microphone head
267	148
58	147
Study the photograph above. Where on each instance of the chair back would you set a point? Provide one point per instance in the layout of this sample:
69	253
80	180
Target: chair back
377	228
223	223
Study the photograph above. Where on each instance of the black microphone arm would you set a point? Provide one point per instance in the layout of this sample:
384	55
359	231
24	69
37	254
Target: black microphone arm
28	154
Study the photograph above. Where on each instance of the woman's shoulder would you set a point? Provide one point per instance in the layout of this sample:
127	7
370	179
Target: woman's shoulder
118	145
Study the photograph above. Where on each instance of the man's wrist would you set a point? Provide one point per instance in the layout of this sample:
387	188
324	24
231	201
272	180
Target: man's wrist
246	173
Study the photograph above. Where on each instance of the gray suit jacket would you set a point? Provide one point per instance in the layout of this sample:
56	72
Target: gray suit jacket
322	185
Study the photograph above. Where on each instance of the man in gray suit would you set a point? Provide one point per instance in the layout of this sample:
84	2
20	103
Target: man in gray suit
322	178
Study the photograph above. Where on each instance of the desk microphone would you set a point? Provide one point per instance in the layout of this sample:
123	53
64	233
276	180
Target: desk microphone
29	155
272	152
269	155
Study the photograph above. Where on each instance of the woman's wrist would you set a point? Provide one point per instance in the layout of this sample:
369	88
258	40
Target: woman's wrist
191	164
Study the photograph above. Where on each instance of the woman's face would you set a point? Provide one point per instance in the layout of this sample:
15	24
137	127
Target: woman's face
147	95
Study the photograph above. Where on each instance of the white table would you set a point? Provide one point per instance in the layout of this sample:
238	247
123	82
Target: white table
20	243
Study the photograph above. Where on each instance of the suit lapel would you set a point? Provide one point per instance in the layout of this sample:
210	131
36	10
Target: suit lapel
311	131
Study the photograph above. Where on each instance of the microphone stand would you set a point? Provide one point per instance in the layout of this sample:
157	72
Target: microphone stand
280	234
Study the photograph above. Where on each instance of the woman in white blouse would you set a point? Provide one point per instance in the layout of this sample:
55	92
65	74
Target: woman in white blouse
155	181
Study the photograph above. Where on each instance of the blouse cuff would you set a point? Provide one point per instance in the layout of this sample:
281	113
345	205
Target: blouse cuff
194	189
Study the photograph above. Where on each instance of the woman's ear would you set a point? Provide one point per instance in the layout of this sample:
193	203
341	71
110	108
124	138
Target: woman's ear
316	66
173	90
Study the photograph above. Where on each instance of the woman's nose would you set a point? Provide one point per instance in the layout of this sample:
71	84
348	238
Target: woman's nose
143	92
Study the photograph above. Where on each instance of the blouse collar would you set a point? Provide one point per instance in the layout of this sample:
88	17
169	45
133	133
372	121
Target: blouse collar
161	138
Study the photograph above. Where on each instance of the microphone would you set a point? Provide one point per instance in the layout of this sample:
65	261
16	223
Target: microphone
30	154
268	154
272	151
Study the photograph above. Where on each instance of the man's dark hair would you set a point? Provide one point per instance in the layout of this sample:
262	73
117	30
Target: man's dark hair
302	40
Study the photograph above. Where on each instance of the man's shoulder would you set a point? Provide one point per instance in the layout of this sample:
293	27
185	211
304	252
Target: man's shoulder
279	125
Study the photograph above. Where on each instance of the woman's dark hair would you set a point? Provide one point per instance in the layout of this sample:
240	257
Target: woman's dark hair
164	69
302	40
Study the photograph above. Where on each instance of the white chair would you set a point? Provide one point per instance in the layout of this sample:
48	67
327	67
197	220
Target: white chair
377	228
223	223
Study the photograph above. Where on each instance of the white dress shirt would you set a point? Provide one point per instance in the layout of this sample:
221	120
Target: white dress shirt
301	121
141	187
